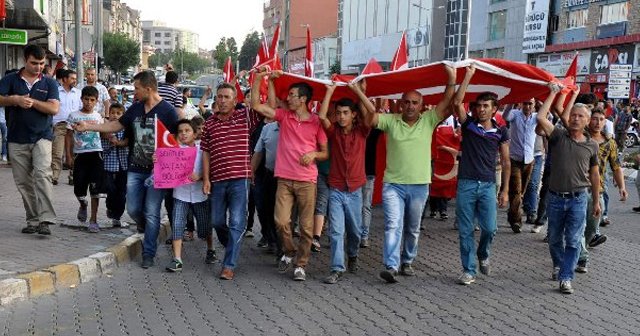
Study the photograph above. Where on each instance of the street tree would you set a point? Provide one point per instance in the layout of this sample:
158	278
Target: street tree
220	53
232	49
120	52
159	59
249	50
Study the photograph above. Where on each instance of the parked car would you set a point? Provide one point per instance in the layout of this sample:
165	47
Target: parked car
197	91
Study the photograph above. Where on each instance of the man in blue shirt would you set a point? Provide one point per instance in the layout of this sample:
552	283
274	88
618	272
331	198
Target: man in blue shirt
143	200
30	100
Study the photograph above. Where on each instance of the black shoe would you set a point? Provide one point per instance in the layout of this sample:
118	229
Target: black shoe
432	214
582	267
352	264
636	209
597	240
211	257
516	227
147	262
43	229
444	216
262	243
315	245
364	242
54	182
169	241
389	275
174	266
30	229
407	270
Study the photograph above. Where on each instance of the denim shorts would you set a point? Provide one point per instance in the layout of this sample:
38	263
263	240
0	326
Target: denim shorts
322	196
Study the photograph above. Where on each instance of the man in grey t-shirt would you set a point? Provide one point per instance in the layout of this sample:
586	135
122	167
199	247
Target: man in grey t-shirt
574	169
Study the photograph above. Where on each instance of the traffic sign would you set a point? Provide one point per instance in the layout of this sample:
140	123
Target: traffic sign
13	36
619	81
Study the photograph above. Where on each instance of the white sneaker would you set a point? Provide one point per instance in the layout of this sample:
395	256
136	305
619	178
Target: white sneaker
536	228
4	158
299	274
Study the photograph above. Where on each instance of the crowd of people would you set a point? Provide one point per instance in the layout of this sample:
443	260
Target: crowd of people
303	168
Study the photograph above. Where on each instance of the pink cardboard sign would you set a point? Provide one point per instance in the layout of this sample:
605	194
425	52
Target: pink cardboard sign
173	167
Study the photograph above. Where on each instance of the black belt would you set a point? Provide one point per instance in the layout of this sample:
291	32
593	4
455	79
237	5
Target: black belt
568	194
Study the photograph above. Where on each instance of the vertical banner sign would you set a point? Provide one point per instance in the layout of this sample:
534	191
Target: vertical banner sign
173	167
536	19
3	10
619	81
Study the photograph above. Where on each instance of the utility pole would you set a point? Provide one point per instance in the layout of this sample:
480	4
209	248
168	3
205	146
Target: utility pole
97	26
78	36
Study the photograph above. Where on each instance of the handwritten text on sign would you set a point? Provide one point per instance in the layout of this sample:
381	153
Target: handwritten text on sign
173	166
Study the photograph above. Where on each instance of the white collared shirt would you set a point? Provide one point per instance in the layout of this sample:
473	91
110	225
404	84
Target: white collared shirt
69	102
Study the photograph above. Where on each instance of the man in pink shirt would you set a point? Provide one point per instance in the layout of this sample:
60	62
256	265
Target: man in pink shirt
302	142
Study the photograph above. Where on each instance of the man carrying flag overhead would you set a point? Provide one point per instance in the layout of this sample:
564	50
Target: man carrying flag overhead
408	174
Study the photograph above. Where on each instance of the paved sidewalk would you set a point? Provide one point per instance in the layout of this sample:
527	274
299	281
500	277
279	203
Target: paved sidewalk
22	253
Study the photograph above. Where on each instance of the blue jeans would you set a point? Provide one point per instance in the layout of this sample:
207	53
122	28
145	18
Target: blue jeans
367	197
344	212
475	199
402	205
3	132
530	200
567	219
143	206
231	196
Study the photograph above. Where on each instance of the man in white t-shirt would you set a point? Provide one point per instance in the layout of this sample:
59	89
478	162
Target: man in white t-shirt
102	106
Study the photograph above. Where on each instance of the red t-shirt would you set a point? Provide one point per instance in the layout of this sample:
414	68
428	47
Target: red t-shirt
227	142
346	168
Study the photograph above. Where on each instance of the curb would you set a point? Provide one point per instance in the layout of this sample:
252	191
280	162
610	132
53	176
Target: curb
73	273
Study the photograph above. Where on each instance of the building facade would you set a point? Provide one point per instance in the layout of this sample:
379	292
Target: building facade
497	29
168	39
606	37
369	29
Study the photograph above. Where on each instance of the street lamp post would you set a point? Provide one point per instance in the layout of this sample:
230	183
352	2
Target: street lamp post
427	51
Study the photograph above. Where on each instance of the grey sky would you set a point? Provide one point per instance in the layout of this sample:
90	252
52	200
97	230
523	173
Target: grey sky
211	19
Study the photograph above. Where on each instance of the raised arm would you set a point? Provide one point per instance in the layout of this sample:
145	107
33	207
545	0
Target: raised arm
324	108
546	106
442	109
263	109
204	98
564	117
543	122
367	109
458	106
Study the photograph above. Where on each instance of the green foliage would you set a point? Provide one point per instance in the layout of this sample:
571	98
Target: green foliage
120	52
249	50
225	48
159	59
335	67
189	62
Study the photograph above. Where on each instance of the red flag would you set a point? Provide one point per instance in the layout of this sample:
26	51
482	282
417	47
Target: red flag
513	82
569	80
273	49
3	10
400	60
164	139
228	72
372	67
445	169
308	60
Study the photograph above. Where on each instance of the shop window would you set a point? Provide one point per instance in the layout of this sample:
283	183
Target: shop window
495	53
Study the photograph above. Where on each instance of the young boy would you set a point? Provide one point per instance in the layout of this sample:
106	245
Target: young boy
190	197
116	153
348	138
87	161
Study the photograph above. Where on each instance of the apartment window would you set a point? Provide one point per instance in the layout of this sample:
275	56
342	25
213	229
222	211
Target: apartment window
156	42
158	34
497	25
614	13
167	42
476	53
167	34
577	18
495	53
496	1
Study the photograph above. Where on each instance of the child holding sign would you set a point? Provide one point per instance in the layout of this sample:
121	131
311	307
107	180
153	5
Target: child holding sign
190	197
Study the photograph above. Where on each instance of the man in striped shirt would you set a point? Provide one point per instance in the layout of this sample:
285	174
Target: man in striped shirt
169	92
225	146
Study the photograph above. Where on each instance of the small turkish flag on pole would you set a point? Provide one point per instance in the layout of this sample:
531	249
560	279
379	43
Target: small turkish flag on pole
164	139
273	49
3	10
308	61
400	60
